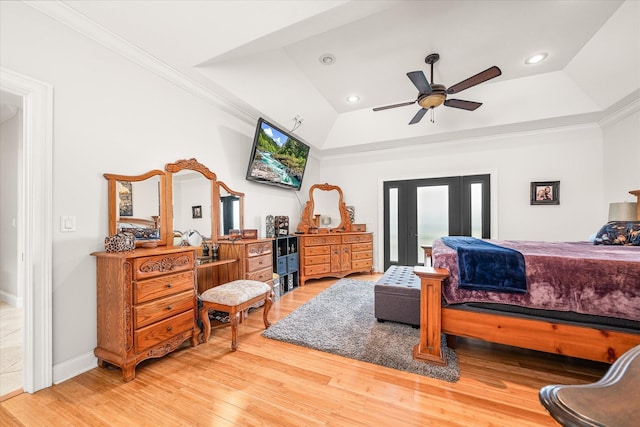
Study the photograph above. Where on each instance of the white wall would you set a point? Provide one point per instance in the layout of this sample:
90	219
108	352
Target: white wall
112	116
621	158
572	156
10	148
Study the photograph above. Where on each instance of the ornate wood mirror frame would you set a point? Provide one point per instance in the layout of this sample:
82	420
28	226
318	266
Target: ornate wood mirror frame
226	210
143	198
193	165
309	216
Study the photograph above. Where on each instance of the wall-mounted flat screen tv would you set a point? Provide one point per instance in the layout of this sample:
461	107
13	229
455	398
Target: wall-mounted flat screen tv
277	158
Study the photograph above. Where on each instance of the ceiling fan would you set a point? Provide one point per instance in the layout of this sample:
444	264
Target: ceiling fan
433	95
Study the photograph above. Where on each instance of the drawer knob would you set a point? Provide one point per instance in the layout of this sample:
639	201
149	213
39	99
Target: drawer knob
169	328
169	308
169	285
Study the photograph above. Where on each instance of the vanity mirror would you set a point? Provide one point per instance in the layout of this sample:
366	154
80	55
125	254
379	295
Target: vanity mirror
231	210
136	205
325	210
192	199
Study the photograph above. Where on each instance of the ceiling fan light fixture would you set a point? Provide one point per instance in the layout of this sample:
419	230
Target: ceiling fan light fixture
538	57
327	59
434	99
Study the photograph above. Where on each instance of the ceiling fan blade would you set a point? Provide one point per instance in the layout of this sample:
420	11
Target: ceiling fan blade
487	74
386	107
464	105
418	116
420	81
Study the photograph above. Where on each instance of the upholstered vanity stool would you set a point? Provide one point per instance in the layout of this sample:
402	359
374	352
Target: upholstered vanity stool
234	298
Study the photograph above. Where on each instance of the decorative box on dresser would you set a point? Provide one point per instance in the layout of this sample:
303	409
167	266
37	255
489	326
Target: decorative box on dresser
335	254
146	305
254	258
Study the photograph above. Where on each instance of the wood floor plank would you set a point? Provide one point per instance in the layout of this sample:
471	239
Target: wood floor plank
267	382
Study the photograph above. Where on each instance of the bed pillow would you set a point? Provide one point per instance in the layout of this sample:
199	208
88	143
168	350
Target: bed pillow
619	233
634	233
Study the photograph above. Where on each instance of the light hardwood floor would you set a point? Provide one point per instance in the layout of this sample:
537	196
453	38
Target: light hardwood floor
267	382
10	350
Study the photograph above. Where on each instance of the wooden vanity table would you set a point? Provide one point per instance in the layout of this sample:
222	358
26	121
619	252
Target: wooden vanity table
331	252
147	298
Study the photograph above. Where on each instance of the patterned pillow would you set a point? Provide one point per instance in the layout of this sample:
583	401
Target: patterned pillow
619	233
634	233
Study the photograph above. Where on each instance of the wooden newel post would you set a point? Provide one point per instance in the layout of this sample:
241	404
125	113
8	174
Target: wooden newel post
430	349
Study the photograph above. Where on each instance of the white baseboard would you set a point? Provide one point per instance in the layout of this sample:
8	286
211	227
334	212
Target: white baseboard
11	299
73	367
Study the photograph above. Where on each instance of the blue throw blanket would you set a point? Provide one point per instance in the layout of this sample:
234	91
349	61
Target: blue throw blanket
488	267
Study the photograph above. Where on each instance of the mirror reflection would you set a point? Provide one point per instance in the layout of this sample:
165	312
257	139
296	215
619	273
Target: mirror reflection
192	203
136	205
231	209
326	210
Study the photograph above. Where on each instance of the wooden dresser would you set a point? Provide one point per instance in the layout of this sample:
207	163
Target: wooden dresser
254	258
334	255
146	305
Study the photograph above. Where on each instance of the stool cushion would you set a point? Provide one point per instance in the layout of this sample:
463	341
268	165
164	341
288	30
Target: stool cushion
236	292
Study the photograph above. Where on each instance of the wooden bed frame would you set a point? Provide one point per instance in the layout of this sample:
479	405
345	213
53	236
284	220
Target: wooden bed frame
550	336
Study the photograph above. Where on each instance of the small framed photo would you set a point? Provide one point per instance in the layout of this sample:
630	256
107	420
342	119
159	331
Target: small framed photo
196	211
545	193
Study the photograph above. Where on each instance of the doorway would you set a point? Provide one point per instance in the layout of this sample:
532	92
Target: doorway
418	211
34	221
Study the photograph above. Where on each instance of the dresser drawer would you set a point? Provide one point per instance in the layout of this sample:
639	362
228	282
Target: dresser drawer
146	290
264	275
315	260
361	264
361	255
158	332
362	247
163	308
355	238
151	266
322	240
258	249
317	250
317	269
258	262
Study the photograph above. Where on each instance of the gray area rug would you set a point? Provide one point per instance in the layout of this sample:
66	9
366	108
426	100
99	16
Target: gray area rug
340	320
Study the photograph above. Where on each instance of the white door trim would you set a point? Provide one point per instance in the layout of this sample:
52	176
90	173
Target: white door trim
35	219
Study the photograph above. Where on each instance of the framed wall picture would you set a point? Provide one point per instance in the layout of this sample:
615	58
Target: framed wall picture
196	211
545	193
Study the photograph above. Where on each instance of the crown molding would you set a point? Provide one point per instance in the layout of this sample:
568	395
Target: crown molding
68	16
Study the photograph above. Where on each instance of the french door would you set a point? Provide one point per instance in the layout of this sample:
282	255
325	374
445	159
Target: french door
416	212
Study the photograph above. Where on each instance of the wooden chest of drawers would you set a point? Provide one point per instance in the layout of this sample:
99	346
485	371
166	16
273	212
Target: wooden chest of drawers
254	258
146	305
335	255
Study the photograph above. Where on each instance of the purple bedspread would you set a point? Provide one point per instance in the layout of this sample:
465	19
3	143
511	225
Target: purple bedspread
564	276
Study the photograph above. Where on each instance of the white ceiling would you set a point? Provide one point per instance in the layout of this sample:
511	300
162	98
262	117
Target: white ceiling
263	57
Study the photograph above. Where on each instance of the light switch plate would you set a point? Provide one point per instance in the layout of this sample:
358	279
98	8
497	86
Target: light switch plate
67	224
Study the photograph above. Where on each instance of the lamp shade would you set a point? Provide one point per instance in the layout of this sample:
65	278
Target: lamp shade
622	211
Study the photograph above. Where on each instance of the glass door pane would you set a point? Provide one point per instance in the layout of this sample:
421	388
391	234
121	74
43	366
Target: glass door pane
393	225
432	214
476	210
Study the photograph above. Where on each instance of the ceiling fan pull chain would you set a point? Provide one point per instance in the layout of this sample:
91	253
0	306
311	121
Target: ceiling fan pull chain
433	112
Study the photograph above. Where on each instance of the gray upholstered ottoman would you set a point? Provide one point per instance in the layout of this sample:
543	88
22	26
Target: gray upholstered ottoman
397	296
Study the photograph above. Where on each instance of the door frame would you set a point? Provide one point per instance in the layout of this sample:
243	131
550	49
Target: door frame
35	219
379	237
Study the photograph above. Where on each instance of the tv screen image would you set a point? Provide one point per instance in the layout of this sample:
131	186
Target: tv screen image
277	158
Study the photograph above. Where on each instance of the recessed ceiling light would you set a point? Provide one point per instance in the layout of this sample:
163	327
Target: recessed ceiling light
538	57
353	99
327	59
